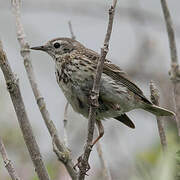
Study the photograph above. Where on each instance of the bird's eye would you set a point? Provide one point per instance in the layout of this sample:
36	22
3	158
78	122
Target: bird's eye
56	45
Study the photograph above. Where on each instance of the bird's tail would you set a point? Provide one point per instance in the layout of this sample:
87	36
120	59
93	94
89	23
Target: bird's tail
158	111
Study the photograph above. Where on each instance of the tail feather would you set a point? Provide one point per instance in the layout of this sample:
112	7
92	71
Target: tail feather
126	120
158	111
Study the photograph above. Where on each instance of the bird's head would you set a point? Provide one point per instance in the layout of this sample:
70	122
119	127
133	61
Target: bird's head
59	46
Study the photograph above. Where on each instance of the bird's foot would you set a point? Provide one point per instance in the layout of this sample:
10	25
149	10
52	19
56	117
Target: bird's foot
80	166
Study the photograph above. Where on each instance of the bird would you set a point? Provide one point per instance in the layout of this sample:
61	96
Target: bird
75	68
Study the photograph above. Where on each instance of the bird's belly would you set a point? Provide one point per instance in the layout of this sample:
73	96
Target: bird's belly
76	97
77	91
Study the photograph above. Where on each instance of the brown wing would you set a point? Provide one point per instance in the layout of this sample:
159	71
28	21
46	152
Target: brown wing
117	74
121	77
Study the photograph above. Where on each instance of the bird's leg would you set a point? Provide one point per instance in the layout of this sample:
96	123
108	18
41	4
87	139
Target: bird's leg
100	130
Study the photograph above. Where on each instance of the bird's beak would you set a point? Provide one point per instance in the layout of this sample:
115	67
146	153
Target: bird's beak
42	48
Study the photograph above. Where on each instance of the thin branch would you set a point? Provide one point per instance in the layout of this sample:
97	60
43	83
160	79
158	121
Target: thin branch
170	31
71	30
106	171
95	94
14	91
65	124
174	72
155	100
8	163
61	151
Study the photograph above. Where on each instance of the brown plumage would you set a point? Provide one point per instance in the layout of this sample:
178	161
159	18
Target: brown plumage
75	70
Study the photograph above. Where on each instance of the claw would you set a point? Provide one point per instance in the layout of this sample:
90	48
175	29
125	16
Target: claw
78	164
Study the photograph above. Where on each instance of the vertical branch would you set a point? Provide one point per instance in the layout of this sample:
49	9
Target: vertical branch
71	30
59	148
8	164
65	124
95	94
14	91
174	72
106	172
105	169
155	100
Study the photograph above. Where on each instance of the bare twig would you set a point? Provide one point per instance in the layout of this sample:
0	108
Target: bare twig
13	88
95	94
174	72
61	150
105	169
155	100
71	30
8	163
106	172
65	124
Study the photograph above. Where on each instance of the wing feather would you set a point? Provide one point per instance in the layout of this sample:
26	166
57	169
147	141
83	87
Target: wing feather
117	74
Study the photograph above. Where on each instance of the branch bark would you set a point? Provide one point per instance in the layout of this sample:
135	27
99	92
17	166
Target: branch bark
155	100
105	169
14	91
59	148
95	94
8	163
174	72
